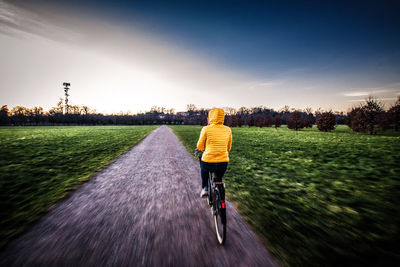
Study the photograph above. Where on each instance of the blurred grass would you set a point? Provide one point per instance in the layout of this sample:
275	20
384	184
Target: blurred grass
319	199
40	165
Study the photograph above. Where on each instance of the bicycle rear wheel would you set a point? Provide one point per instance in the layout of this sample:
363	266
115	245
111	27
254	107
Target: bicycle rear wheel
220	216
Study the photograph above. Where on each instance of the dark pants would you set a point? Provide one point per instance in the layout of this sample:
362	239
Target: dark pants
206	168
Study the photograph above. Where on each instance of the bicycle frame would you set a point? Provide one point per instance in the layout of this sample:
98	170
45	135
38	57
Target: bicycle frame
213	185
216	201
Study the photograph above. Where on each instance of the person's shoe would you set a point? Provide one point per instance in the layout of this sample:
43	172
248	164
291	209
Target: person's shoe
204	192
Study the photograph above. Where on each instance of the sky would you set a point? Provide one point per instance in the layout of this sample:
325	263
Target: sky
133	55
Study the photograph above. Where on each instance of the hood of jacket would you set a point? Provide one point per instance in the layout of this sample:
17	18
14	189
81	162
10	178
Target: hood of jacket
216	116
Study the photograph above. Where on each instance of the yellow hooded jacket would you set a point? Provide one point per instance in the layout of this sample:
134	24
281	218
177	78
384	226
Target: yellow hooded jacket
216	138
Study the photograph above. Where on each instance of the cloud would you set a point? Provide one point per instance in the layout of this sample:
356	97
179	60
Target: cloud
110	67
262	85
380	99
356	94
392	88
267	84
20	22
114	67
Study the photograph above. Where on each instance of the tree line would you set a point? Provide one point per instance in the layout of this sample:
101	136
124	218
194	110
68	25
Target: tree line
83	115
367	117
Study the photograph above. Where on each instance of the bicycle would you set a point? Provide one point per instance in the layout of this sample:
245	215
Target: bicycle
216	201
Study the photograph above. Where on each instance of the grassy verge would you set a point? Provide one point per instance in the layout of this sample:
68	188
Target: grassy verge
320	199
40	165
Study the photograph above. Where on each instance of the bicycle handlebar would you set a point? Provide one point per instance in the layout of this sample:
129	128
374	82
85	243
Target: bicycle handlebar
197	153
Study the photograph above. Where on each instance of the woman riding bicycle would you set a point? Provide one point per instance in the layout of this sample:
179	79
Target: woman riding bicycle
216	140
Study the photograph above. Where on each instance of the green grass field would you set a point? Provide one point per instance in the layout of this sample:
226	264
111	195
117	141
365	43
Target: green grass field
319	199
40	165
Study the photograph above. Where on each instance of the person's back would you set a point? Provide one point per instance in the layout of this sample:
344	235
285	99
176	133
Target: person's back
216	141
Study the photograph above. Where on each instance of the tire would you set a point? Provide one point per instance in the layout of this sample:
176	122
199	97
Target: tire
220	217
209	198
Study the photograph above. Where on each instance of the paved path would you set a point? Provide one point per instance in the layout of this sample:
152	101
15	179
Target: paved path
143	210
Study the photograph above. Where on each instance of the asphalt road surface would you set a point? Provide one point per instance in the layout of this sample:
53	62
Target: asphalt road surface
142	210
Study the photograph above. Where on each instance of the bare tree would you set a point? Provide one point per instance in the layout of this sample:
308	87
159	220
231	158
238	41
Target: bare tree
85	110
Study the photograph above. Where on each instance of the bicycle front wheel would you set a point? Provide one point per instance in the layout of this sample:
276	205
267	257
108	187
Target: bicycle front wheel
220	217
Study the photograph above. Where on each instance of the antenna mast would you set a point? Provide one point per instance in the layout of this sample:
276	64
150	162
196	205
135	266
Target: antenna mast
66	89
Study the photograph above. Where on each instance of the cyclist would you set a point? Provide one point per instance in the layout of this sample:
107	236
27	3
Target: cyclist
216	141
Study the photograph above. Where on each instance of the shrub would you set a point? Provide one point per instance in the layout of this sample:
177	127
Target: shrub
353	120
239	120
307	122
326	121
383	121
259	121
366	118
250	120
278	121
4	119
393	115
268	120
295	122
231	121
373	111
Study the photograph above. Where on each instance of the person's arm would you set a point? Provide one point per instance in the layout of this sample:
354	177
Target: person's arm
230	141
201	144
